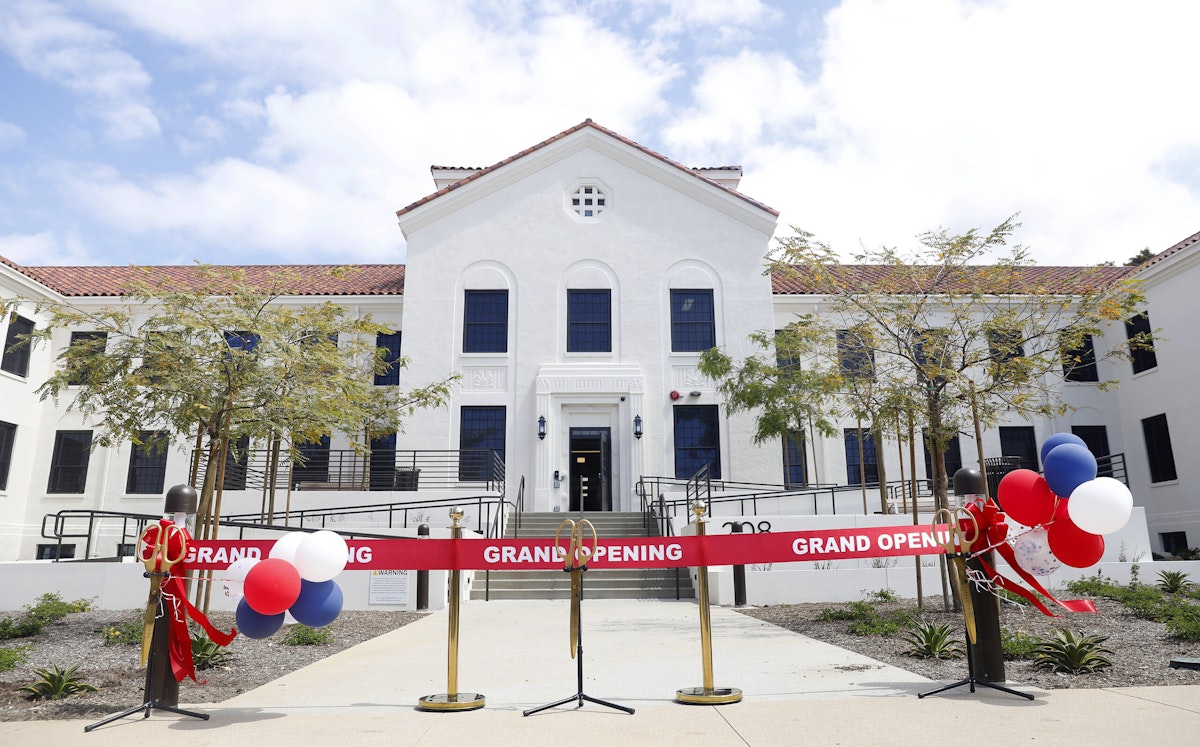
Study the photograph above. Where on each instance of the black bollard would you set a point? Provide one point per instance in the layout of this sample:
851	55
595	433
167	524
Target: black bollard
739	573
423	576
987	653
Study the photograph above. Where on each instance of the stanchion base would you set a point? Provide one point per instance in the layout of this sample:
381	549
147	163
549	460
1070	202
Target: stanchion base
448	702
708	695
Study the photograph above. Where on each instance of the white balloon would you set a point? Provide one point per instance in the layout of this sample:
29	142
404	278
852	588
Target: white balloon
1100	506
321	556
285	547
1032	551
235	578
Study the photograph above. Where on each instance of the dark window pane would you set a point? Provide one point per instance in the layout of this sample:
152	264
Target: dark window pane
1173	541
55	552
697	440
312	462
866	458
481	433
14	358
485	321
1079	364
795	471
93	341
69	463
953	456
383	462
1096	438
1158	448
1020	441
1143	359
390	343
8	434
147	464
693	328
237	462
589	321
855	357
245	341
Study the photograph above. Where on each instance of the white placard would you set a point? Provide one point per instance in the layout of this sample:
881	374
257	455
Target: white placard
388	587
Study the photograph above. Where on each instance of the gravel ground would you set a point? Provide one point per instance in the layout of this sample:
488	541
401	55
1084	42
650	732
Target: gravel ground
114	669
1142	653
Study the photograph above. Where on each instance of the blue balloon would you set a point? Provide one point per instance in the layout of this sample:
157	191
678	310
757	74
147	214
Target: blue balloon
319	603
1058	439
1067	467
254	624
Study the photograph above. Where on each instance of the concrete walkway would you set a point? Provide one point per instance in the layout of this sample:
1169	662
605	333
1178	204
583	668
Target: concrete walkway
637	654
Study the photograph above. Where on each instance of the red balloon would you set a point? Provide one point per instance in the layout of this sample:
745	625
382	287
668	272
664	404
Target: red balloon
1026	497
272	586
1070	544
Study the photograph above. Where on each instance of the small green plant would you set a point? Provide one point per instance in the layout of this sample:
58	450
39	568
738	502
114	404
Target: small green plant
1173	582
125	631
50	607
11	657
207	654
300	635
885	625
1017	644
1184	622
57	683
23	626
1072	654
883	562
881	596
932	641
1187	553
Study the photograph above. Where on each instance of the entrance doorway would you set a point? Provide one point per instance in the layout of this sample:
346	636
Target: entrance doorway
591	469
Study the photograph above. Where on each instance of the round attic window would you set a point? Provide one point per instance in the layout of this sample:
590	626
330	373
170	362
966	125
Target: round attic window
589	200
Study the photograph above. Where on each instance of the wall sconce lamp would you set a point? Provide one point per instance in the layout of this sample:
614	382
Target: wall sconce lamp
637	426
541	427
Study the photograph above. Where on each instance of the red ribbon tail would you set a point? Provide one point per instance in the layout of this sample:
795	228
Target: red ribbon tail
1070	605
179	642
215	635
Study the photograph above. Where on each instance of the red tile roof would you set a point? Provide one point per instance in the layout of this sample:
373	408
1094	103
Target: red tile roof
585	123
1021	280
1194	238
310	280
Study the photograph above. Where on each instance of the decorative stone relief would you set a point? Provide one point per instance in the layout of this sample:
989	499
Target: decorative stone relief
485	379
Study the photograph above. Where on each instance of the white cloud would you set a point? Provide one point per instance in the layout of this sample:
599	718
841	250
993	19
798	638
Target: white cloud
46	248
84	59
10	134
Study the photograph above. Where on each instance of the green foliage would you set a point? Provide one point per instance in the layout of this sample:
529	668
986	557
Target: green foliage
207	654
22	626
860	610
890	624
57	683
123	632
881	596
932	641
1187	553
1184	623
50	607
1017	644
1072	653
1096	586
1173	582
10	657
301	635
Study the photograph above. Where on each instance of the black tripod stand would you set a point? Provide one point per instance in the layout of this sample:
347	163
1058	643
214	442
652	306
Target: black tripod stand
580	696
972	681
162	694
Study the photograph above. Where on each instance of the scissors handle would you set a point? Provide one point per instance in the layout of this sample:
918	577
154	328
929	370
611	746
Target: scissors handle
162	546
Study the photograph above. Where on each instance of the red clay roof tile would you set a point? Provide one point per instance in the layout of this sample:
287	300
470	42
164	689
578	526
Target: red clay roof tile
310	280
1022	280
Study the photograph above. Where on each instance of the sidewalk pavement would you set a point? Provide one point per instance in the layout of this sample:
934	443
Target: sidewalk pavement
637	653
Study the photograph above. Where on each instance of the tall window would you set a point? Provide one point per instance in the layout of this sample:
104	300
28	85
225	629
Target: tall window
147	464
14	358
91	341
1005	345
589	321
383	462
237	464
697	440
953	455
481	432
866	457
1137	330
1158	448
1079	364
390	343
855	356
69	463
313	462
485	321
1020	442
693	325
8	434
795	467
1096	438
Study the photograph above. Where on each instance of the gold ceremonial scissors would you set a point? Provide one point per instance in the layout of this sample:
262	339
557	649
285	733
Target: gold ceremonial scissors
575	559
160	547
958	545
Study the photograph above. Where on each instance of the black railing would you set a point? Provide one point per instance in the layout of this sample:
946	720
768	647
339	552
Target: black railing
347	469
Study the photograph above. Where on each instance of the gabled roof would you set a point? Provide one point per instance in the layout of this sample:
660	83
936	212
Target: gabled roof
1022	280
1171	250
310	280
587	123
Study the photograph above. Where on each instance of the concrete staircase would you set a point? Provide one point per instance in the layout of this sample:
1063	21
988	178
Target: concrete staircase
647	583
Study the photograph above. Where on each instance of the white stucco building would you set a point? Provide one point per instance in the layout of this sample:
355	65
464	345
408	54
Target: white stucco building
574	285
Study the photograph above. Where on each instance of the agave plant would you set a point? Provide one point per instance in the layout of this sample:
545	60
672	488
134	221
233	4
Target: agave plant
207	654
1072	654
1173	582
57	683
932	641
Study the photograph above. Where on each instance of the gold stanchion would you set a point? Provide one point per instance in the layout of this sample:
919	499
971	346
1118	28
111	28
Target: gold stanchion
452	699
707	695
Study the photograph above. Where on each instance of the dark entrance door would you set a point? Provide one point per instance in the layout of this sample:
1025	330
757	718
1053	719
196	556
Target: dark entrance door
591	478
1096	438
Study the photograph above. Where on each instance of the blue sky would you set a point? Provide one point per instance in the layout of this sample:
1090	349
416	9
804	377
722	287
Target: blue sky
288	131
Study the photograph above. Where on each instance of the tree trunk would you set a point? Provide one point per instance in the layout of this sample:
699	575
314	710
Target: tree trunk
912	464
862	467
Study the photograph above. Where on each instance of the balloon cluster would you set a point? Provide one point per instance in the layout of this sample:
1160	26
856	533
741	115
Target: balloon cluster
1067	511
296	578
